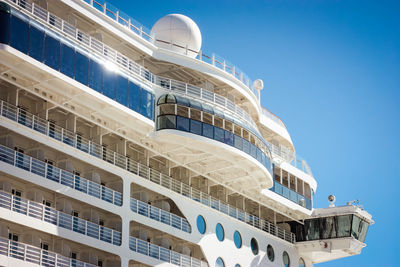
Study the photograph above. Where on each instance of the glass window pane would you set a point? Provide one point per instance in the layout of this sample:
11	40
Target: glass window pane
219	263
19	33
219	231
219	134
238	142
328	227
343	225
253	151
208	130
5	27
246	146
228	138
146	104
355	229
166	122
364	230
52	51
195	127
108	83
134	96
67	60
312	229
182	123
121	90
254	246
286	259
95	75
237	239
81	68
201	224
36	43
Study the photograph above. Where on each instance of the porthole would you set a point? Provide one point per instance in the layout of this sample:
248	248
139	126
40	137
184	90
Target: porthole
219	263
302	263
254	246
270	253
201	224
237	265
286	259
219	231
237	238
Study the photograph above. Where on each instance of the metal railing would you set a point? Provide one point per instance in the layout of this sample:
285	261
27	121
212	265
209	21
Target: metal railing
164	254
110	55
160	215
131	24
50	215
36	255
40	125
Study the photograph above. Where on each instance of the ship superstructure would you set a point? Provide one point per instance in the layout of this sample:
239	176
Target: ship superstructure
121	146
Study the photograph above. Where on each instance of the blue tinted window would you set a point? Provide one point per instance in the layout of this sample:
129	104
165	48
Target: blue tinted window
182	123
108	83
5	27
219	134
121	90
219	263
259	155
201	224
195	127
228	138
208	130
219	231
134	96
67	65
19	34
95	75
81	68
146	104
36	43
238	141
52	51
253	151
237	239
246	146
254	246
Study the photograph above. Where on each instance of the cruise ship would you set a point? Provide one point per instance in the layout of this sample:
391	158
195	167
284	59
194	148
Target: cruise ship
123	146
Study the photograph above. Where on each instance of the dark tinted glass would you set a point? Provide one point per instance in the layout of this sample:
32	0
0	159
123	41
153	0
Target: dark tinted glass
254	246
52	51
95	75
219	134
270	253
67	65
182	123
208	130
121	90
5	26
146	104
81	68
166	122
19	34
195	127
36	43
109	83
134	96
238	141
246	146
228	139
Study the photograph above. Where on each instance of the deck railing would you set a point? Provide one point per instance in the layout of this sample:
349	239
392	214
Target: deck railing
160	215
110	55
50	215
45	127
164	254
36	255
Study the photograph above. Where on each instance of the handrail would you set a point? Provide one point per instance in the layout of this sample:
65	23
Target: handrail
36	255
137	28
40	125
110	55
50	215
160	215
164	254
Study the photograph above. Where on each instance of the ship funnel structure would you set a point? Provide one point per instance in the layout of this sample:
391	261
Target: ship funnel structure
177	33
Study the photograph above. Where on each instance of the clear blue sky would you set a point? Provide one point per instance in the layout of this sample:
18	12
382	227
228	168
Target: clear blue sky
331	71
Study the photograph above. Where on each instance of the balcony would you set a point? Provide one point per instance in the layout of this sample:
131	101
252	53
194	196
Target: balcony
292	195
41	212
35	255
160	215
42	126
163	254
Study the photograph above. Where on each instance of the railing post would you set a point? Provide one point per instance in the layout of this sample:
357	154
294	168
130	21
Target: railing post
8	247
86	227
114	155
105	8
213	59
1	108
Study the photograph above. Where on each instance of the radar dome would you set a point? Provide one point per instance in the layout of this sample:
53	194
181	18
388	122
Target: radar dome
179	30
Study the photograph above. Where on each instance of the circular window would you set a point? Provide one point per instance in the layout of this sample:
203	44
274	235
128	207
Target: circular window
254	246
270	253
201	224
286	259
302	263
219	263
237	265
219	230
237	238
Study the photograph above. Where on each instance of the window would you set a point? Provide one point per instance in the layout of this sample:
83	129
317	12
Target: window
67	60
195	127
219	134
208	130
254	246
122	90
219	231
302	263
52	51
108	83
343	225
74	255
166	122
5	28
228	138
182	123
13	237
134	96
270	253
286	259
219	263
146	104
95	75
36	43
237	239
328	227
81	68
201	224
44	246
19	34
238	142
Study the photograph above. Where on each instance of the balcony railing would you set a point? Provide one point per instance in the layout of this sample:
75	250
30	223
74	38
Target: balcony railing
163	254
40	125
110	55
35	255
39	211
160	215
131	24
292	195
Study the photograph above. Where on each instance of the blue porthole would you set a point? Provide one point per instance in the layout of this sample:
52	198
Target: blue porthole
219	263
237	265
254	246
219	231
237	238
201	224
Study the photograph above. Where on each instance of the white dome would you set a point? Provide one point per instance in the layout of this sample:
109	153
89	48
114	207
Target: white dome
178	30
